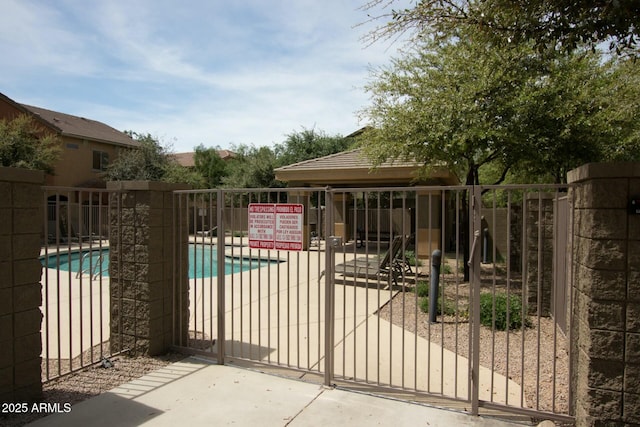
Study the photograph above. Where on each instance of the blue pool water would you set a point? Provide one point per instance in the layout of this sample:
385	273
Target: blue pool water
202	262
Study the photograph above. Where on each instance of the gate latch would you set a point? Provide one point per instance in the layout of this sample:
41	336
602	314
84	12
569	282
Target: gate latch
335	241
476	234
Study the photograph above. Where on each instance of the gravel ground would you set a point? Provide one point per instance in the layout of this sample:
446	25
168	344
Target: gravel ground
92	381
453	334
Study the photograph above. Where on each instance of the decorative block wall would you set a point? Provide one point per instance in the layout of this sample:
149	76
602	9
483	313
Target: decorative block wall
20	288
605	329
145	292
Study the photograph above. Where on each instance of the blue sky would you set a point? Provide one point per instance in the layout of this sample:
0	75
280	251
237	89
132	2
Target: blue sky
189	72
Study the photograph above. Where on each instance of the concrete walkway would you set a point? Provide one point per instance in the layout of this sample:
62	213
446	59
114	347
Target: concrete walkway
197	393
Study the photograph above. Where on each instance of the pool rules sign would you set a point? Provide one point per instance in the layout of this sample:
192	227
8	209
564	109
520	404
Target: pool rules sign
276	226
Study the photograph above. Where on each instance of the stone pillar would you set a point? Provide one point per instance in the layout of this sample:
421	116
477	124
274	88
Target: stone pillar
146	290
539	251
21	214
605	328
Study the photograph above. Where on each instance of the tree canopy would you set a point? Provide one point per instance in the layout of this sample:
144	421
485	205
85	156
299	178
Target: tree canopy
252	167
309	144
150	161
209	165
562	24
25	144
466	104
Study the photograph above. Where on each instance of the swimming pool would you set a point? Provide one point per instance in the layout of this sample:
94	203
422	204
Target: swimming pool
202	262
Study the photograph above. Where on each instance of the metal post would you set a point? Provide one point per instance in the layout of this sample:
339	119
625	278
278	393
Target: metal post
436	260
220	242
474	276
329	279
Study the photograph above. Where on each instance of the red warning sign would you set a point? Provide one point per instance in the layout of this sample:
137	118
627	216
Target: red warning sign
276	226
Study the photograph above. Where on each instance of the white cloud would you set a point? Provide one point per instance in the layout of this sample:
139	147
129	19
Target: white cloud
211	72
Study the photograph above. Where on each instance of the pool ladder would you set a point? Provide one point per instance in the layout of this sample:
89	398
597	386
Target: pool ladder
94	271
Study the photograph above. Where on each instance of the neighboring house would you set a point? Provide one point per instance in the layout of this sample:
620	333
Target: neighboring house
88	146
187	159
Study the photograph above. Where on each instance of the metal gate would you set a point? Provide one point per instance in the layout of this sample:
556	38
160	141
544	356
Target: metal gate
353	306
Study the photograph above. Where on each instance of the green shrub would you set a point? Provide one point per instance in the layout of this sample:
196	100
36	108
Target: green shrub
487	305
411	259
449	307
422	289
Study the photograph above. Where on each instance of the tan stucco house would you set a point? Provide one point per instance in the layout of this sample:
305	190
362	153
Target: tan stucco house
88	146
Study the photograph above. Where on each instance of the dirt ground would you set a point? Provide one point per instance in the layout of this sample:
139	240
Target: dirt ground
515	354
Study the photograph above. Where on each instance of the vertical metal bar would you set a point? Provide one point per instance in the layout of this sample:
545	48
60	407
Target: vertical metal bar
343	210
58	319
554	286
390	286
541	230
493	291
508	233
524	286
218	248
298	300
45	223
193	197
221	204
328	294
402	255
475	211
355	299
326	277
572	272
378	290
99	270
308	199
443	223
202	264
416	215
79	234
69	281
288	308
220	234
100	283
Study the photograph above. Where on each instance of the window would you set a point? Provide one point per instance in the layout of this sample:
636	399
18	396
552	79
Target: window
100	160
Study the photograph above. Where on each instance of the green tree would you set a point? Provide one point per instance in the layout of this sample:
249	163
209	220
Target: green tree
178	174
564	24
150	161
510	107
309	144
210	166
25	144
252	167
621	111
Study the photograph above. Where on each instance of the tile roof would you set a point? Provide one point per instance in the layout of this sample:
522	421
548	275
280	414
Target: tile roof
80	127
187	159
352	159
354	168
